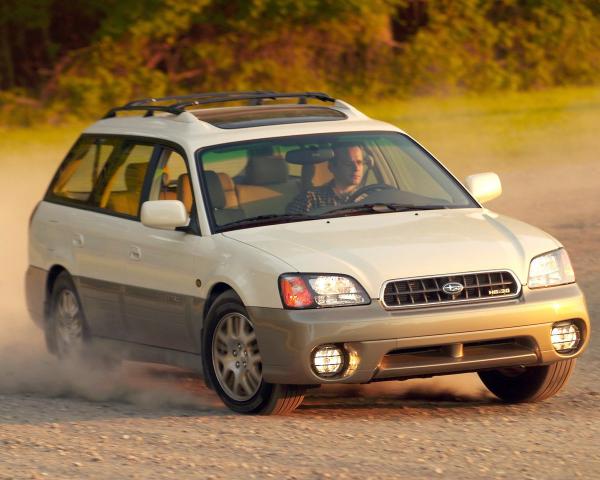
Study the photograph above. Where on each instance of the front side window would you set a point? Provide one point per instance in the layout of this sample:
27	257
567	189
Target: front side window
171	179
80	171
319	176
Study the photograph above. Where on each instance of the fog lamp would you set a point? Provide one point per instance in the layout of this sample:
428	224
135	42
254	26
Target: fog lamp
328	360
565	337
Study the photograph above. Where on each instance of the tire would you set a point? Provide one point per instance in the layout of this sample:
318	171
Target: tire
528	384
233	365
67	333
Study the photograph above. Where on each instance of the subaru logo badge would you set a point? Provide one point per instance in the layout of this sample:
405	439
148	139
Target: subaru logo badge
452	288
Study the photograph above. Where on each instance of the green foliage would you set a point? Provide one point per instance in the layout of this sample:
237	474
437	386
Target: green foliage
476	46
94	54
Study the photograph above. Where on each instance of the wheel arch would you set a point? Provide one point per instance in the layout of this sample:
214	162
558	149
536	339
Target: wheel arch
214	292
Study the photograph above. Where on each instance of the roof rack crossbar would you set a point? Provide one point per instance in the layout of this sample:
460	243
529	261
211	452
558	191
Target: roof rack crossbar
149	105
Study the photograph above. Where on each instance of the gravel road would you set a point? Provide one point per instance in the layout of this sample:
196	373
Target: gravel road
148	422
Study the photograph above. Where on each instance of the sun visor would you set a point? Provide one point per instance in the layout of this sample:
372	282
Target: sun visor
308	156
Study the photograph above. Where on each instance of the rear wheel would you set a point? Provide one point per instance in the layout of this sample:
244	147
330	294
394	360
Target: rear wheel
67	334
528	384
234	363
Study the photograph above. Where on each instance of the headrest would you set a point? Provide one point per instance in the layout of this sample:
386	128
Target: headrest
226	181
260	151
134	176
309	156
215	189
165	176
266	170
164	179
315	175
184	191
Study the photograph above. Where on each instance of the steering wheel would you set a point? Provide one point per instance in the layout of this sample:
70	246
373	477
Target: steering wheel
367	189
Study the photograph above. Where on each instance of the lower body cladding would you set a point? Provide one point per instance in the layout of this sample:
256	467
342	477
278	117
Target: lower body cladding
377	344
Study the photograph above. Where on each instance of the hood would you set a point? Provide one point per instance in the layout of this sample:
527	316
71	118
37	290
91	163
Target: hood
378	247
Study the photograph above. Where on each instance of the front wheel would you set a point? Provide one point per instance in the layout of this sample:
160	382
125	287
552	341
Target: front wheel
234	363
528	384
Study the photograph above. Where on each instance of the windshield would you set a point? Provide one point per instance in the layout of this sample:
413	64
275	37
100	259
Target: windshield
308	177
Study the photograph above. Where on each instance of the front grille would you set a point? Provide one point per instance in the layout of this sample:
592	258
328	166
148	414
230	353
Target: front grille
426	291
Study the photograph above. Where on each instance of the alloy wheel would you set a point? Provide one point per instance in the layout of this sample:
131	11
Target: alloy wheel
236	359
68	324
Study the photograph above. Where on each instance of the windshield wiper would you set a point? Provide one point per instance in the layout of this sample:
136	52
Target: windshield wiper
380	208
348	209
265	219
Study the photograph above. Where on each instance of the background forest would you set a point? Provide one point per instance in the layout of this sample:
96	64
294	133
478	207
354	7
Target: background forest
62	59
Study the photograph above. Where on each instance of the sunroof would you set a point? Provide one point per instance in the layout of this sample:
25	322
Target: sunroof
259	116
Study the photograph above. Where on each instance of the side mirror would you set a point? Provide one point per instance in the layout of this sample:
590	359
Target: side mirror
164	214
484	186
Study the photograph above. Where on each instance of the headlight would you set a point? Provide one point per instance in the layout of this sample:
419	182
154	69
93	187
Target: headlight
552	268
317	291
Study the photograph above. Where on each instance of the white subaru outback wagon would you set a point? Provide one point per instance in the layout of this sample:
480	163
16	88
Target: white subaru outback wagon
287	241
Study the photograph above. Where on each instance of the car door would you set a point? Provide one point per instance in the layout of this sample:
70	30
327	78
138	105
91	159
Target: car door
104	234
161	299
91	237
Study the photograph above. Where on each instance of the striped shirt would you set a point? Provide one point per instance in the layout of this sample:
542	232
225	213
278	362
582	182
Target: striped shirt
324	196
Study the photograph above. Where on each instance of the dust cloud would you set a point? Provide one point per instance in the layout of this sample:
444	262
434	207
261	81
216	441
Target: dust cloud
26	368
464	387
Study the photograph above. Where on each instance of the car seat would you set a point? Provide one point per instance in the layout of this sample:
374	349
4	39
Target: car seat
128	201
315	175
266	186
219	199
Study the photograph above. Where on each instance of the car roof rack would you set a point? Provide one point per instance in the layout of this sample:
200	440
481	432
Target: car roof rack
178	104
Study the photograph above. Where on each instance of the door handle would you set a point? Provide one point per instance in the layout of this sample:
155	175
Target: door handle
135	253
78	240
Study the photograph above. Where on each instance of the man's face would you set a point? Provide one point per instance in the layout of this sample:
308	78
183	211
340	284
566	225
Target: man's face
348	166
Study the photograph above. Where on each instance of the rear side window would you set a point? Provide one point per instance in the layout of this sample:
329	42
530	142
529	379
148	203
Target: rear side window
121	182
81	169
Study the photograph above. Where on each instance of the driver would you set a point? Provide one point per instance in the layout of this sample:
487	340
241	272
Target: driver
347	166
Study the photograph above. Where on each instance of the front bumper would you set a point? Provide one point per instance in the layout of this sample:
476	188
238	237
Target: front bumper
419	342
